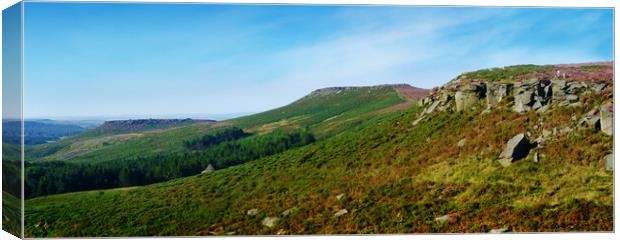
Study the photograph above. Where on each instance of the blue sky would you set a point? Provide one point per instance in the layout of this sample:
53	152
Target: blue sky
106	59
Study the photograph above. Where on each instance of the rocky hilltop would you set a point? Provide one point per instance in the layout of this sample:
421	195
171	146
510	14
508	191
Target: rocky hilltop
142	124
405	89
538	89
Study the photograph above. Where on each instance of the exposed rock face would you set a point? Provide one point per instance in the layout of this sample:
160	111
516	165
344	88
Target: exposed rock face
523	102
529	95
558	88
607	119
496	92
468	96
517	148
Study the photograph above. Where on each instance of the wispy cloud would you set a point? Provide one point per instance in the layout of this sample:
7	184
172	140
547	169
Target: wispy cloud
256	58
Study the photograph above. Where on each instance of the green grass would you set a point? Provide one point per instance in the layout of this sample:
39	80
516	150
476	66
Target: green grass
110	147
396	179
325	115
506	74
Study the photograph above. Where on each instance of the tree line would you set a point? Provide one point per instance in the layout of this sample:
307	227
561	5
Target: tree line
59	177
220	135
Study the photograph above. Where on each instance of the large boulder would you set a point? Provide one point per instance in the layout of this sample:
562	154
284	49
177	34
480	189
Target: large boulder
609	162
432	107
607	119
558	89
517	148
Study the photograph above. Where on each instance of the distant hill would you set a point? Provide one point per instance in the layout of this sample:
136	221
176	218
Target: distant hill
133	125
520	148
36	132
329	111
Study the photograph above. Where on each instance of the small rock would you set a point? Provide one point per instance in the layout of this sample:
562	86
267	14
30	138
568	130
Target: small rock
286	212
572	98
499	230
341	212
461	143
209	169
340	196
609	162
575	104
546	133
447	218
252	212
269	221
566	130
417	121
599	87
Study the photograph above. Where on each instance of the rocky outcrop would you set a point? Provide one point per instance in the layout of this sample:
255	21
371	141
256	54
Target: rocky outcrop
534	94
144	124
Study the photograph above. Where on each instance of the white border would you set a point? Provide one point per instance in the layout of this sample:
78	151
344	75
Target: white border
521	3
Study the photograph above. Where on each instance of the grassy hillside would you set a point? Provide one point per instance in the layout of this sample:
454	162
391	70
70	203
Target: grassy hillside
323	115
91	148
325	112
585	72
131	152
395	177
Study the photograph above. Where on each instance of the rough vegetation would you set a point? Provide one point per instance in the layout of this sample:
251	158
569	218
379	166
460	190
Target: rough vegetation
519	149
